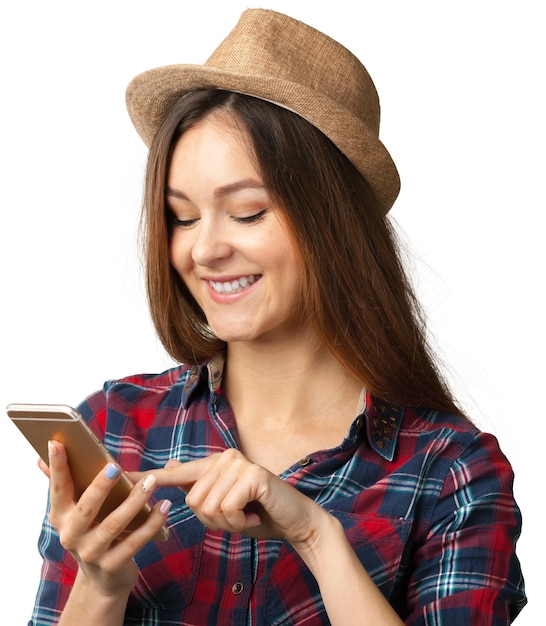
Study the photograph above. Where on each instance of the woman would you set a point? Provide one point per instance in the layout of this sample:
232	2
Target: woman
307	457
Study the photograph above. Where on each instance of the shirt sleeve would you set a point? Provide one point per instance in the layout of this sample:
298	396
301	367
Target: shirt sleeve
467	571
58	573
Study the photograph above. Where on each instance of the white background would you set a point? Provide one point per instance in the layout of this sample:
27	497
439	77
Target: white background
462	91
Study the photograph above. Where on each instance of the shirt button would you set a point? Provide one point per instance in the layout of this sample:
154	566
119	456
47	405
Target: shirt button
305	461
237	588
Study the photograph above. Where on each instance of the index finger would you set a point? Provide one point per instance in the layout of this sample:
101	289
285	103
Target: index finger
184	475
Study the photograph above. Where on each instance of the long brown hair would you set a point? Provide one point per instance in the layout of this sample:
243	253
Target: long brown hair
356	294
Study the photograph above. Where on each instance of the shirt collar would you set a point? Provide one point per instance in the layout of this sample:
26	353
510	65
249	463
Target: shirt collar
381	419
211	369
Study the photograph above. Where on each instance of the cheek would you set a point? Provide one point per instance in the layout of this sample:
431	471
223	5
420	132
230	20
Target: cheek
291	275
179	256
300	281
180	261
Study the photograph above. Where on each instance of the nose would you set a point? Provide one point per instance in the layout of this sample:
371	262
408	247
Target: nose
211	243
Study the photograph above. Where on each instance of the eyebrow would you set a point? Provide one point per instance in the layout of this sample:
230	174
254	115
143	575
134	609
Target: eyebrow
225	190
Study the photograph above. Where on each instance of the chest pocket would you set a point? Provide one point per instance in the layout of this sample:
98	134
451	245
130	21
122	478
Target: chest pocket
379	543
169	570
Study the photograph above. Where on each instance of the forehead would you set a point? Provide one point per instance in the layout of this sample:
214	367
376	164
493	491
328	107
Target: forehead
211	163
218	138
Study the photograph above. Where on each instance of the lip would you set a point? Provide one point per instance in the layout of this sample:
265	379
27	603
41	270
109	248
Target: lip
229	298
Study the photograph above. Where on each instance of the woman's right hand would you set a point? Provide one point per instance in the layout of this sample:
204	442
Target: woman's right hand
104	554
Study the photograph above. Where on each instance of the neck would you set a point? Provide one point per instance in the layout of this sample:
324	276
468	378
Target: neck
283	382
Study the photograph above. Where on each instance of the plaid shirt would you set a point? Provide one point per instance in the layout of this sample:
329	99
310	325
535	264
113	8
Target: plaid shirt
424	497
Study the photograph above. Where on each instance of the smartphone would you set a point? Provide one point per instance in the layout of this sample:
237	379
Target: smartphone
86	454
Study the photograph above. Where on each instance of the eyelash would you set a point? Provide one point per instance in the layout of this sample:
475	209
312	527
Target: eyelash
251	219
182	223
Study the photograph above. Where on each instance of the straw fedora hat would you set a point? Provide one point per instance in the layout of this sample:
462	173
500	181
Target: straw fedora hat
277	58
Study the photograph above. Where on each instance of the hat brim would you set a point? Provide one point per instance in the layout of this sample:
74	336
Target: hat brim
151	95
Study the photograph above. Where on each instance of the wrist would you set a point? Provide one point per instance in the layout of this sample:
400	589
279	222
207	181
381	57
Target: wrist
90	604
103	594
322	538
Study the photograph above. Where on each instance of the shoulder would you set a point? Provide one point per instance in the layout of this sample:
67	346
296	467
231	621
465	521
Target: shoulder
434	442
468	454
150	382
434	421
136	397
430	427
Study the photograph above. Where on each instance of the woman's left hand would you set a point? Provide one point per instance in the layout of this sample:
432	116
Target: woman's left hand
228	492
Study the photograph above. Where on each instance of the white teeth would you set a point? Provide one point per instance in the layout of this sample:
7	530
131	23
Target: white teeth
233	286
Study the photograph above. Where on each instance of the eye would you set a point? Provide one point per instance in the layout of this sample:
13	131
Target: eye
177	222
250	219
183	223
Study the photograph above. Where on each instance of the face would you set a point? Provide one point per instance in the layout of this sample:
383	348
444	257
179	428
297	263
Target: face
229	243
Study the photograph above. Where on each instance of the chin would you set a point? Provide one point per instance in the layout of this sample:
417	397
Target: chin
232	335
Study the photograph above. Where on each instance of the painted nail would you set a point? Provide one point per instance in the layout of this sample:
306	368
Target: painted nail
52	450
149	482
111	471
165	506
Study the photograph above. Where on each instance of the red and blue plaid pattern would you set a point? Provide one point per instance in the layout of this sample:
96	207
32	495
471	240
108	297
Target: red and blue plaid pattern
424	497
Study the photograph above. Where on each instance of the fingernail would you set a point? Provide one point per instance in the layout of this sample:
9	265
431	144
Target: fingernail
149	482
165	506
111	471
52	450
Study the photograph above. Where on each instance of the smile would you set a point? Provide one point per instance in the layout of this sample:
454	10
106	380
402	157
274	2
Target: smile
233	286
